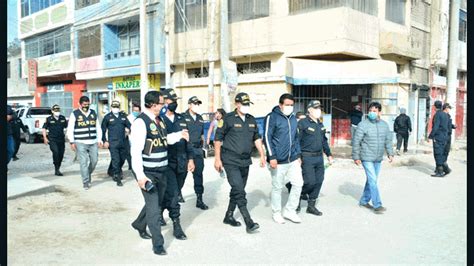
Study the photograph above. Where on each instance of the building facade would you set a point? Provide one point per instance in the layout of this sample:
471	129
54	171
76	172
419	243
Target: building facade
18	92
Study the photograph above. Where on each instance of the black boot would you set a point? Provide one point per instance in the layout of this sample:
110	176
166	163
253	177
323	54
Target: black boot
298	209
229	216
312	208
446	169
439	171
199	203
177	230
162	219
251	226
57	172
118	179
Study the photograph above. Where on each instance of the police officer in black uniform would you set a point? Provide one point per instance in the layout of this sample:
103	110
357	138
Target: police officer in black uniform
196	139
180	160
115	123
439	135
237	136
447	147
54	126
149	144
17	126
313	142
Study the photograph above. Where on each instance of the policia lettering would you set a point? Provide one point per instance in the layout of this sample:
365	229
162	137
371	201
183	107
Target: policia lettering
85	127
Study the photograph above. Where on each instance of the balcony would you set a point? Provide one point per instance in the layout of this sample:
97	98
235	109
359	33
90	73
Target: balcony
398	45
121	54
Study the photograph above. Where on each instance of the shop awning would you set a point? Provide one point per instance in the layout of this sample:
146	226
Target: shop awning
324	72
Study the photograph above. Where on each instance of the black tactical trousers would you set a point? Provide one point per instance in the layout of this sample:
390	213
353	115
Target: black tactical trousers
313	175
57	147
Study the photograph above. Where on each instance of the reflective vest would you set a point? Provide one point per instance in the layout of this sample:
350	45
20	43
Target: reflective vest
85	126
156	135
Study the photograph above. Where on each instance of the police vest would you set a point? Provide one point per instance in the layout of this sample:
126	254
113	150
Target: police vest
156	137
85	126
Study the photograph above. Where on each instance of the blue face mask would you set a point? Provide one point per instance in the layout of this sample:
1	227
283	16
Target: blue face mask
372	115
135	114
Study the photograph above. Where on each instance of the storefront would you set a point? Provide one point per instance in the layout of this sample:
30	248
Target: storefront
127	89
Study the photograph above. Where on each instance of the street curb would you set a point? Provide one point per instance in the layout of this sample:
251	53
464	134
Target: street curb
21	186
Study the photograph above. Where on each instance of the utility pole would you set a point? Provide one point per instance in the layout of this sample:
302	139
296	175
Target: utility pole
212	54
224	55
143	54
167	47
453	56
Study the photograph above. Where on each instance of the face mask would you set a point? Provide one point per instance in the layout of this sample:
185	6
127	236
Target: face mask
287	110
316	113
115	110
372	115
195	108
244	109
56	114
85	108
135	114
172	106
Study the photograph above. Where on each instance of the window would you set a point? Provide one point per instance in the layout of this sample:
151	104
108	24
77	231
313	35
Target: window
395	11
8	70
442	72
198	72
53	42
19	68
248	9
301	6
189	15
29	7
89	41
83	3
462	26
254	67
129	37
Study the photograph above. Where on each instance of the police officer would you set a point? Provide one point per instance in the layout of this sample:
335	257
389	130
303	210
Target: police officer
196	139
180	160
11	115
150	165
313	142
439	135
17	126
85	137
54	126
447	148
237	135
114	124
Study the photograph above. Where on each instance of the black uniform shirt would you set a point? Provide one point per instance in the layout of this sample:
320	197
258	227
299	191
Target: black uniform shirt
115	127
180	149
312	136
238	138
55	127
195	127
440	128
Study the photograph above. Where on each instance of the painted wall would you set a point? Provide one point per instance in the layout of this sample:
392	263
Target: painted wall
16	85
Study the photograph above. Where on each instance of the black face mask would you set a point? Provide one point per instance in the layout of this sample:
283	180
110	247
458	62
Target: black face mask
85	108
172	106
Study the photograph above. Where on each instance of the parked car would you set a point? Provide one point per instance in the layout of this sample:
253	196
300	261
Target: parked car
33	118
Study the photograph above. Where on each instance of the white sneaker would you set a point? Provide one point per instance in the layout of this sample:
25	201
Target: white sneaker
292	216
278	218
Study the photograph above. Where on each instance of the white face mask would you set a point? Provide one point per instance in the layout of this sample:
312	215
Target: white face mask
195	108
56	114
287	110
115	110
244	109
315	113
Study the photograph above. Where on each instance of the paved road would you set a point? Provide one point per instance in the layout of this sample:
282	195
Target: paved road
425	221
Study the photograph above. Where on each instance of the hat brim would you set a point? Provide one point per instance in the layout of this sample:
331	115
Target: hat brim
246	102
195	102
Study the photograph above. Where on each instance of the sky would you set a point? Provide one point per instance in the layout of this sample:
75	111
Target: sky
12	20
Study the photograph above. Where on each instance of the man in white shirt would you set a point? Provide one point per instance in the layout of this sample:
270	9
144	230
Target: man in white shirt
85	136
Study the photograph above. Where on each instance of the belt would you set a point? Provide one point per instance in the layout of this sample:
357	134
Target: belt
312	153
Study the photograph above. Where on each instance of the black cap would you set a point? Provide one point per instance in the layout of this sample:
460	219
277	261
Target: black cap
314	104
55	108
194	100
243	98
438	104
447	105
170	94
115	104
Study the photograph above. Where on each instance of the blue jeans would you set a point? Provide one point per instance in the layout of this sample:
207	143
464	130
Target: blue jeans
10	147
371	192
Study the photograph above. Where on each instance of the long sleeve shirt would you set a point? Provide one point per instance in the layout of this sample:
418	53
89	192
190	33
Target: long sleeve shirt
138	139
70	130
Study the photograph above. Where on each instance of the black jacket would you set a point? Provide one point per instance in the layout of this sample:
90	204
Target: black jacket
439	132
402	124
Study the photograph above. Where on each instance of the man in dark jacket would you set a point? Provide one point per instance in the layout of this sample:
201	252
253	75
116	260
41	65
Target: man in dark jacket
17	126
283	155
402	126
439	135
11	115
447	147
356	116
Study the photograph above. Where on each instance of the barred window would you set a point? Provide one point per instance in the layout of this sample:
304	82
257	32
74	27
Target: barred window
254	67
395	11
52	42
240	10
29	7
129	36
462	26
83	3
198	72
189	15
301	6
89	41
